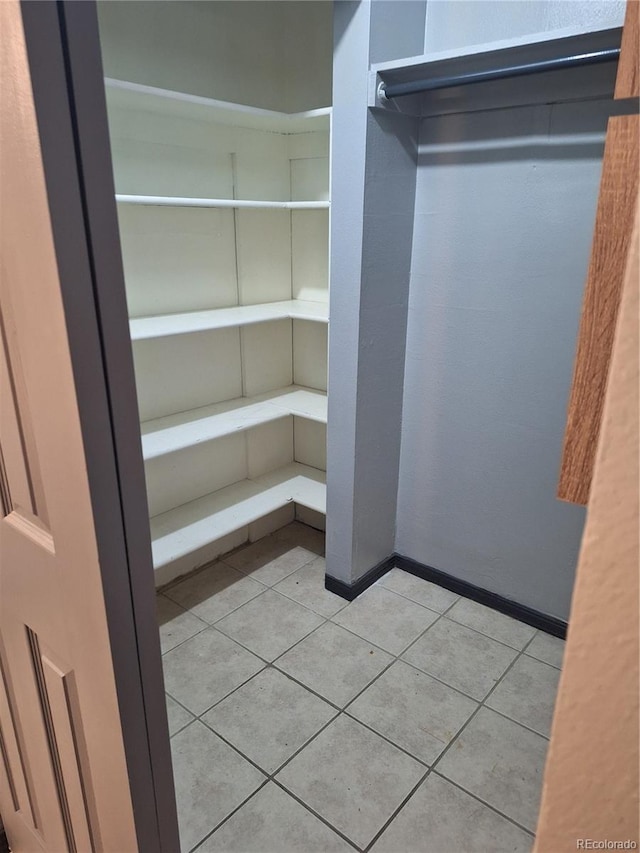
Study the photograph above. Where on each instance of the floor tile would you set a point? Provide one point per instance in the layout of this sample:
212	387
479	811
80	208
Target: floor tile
214	591
491	623
211	780
501	762
422	592
413	710
175	624
269	560
386	619
546	648
177	716
440	818
269	624
334	663
352	777
527	694
207	668
307	587
303	535
462	658
269	718
273	822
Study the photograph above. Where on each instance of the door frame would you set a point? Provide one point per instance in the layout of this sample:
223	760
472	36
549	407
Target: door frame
66	73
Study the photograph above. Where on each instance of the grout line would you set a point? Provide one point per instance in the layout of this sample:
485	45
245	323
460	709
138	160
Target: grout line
397	811
316	814
478	799
459	735
397	746
502	642
231	813
271	776
343	711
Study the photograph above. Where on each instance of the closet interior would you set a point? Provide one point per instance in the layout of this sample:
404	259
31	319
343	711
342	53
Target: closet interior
224	219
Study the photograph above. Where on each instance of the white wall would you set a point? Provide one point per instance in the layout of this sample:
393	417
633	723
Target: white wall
461	23
266	54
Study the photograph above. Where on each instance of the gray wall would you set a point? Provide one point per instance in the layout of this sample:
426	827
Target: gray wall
460	23
373	177
457	274
275	55
505	205
504	213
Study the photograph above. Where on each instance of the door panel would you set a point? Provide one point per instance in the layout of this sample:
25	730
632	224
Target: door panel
71	694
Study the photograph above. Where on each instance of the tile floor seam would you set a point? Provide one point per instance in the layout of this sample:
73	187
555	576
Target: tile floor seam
246	648
478	799
271	777
388	740
182	642
359	636
267	665
317	814
408	597
217	702
212	624
193	574
397	811
344	710
481	705
302	604
297	568
533	657
439	680
230	815
251	760
395	659
512	720
478	631
280	768
396	656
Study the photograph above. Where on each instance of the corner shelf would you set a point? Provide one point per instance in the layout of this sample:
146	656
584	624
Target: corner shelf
186	429
178	201
136	96
194	525
164	325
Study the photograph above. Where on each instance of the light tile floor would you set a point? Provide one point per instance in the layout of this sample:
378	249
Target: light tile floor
409	721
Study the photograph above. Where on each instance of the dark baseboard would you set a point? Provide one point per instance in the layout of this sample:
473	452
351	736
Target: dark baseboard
344	590
549	624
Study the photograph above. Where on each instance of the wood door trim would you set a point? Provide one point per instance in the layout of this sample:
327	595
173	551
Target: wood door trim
628	77
614	223
614	220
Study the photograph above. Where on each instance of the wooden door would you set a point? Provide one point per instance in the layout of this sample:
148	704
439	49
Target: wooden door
76	760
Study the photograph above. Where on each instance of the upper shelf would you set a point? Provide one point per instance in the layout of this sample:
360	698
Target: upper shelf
143	328
544	87
127	95
177	201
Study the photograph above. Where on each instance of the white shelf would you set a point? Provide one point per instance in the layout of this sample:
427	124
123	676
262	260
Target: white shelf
194	525
136	96
143	328
176	432
178	201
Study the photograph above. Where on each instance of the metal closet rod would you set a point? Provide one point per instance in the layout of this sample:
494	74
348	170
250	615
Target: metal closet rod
397	90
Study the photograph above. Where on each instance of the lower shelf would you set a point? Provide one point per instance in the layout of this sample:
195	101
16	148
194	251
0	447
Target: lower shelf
194	525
